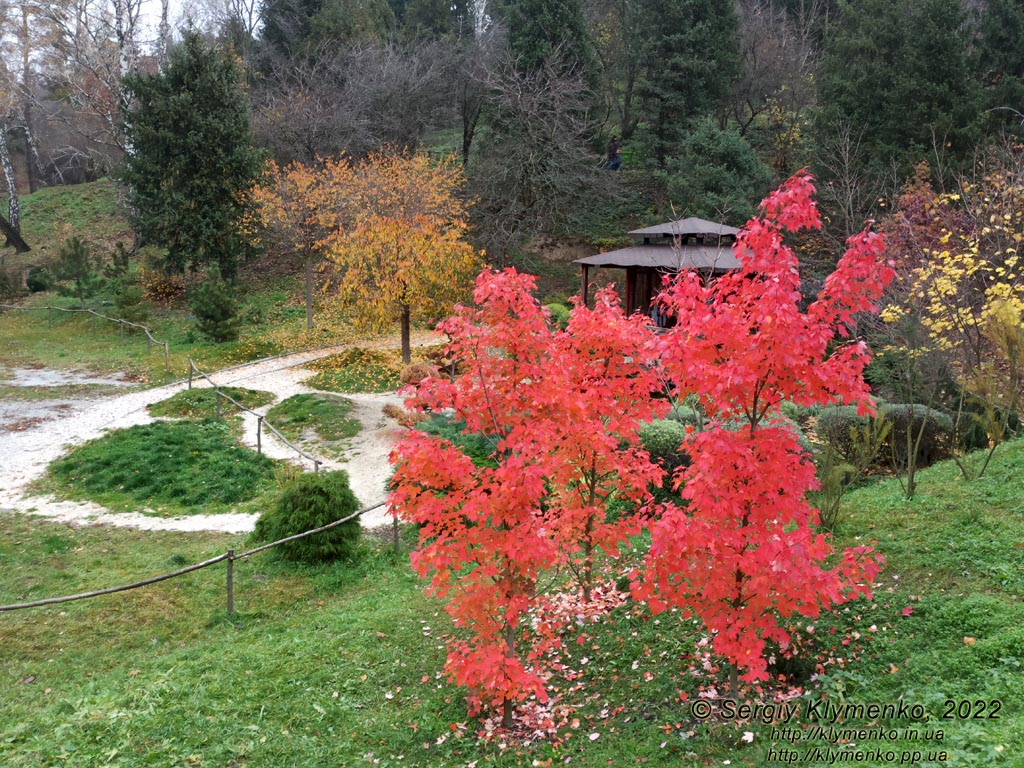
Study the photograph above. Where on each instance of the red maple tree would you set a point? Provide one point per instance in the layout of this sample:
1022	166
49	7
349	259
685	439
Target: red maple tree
562	410
742	554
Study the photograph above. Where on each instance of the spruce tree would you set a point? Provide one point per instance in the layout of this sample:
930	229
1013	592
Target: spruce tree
898	71
191	161
686	69
213	304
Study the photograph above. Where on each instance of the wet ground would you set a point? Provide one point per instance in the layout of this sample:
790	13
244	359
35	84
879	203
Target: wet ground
32	396
46	377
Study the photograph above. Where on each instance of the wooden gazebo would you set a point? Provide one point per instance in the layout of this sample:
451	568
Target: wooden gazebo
665	249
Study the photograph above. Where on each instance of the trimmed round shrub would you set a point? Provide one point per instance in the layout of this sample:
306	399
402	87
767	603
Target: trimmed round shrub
662	439
799	413
936	441
685	415
39	279
310	501
835	426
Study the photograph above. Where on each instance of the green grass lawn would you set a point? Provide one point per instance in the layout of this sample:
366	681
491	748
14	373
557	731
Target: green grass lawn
339	665
168	467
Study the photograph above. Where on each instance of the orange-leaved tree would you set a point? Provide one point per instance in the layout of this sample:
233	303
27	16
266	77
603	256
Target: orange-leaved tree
302	208
562	410
400	251
743	555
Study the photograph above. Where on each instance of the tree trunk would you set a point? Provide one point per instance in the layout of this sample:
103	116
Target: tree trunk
13	238
13	210
508	706
309	290
31	156
163	46
406	344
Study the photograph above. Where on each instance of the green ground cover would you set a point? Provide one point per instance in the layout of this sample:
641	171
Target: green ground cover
318	420
169	467
202	403
338	665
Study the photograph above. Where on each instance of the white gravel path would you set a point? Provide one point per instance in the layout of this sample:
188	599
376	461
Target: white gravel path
25	454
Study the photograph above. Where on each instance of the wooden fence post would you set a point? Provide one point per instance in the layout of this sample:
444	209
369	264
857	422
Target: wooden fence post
120	330
316	466
231	582
259	434
190	364
167	357
394	529
217	390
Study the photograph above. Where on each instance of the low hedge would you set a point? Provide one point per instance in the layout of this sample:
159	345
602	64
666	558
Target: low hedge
837	425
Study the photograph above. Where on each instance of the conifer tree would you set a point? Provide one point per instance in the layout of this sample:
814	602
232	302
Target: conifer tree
192	161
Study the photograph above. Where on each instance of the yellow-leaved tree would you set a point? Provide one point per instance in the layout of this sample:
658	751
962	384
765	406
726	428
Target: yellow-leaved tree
960	297
399	252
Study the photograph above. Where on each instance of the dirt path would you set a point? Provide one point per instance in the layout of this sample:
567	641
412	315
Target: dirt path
55	425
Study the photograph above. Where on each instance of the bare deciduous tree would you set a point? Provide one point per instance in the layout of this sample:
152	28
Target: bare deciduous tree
533	165
778	55
353	100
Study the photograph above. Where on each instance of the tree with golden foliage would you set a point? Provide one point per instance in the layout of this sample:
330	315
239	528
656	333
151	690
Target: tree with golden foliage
300	209
399	251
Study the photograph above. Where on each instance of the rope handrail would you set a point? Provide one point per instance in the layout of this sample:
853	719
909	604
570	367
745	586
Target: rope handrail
150	338
262	419
230	556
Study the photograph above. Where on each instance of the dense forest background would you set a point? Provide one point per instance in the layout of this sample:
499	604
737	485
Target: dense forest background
714	101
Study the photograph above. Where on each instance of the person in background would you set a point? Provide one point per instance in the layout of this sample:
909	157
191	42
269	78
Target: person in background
614	154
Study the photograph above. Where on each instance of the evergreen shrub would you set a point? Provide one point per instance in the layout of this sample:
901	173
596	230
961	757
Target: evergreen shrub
214	306
39	279
936	441
662	439
309	501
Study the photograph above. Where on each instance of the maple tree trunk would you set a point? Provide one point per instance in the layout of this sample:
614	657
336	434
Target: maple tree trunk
406	345
508	705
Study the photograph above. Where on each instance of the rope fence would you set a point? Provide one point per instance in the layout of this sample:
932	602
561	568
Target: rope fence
230	556
261	421
122	324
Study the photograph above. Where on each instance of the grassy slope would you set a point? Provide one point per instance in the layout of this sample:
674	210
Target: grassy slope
339	667
52	215
273	320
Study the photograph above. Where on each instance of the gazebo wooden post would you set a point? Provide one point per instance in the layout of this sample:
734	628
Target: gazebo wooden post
585	283
630	289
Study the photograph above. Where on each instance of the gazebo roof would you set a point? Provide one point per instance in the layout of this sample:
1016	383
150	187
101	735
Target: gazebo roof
664	257
688	227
